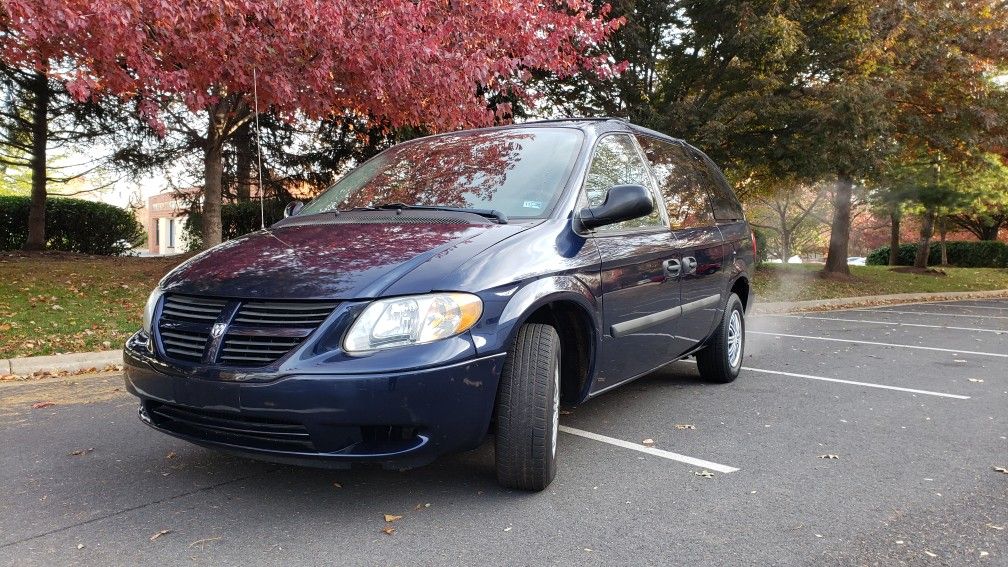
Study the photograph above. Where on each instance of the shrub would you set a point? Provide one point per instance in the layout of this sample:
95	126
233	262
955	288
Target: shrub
72	225
236	219
964	254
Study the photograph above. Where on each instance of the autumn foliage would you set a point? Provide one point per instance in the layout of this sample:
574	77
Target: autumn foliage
435	64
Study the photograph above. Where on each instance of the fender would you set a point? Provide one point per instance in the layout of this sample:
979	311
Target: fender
524	301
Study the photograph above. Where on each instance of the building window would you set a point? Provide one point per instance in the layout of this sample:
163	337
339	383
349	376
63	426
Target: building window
171	233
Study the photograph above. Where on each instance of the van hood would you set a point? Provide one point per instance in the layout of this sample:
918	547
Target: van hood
329	260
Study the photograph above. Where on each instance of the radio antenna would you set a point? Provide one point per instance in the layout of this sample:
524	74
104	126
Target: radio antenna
255	98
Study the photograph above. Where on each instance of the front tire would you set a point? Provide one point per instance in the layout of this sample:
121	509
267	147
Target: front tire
528	410
721	360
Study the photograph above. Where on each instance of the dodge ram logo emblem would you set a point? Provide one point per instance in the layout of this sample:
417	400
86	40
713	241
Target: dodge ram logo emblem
218	330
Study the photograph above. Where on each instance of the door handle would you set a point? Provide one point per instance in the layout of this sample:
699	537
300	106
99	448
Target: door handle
672	267
690	263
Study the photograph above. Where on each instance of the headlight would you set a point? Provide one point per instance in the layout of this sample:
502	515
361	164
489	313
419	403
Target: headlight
412	320
148	316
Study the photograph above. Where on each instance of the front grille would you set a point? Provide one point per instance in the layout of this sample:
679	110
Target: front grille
188	308
254	333
289	314
242	350
234	429
184	345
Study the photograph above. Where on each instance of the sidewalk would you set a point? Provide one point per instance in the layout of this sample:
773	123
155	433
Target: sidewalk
83	362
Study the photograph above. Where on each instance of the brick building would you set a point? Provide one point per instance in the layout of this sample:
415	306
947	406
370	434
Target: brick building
166	214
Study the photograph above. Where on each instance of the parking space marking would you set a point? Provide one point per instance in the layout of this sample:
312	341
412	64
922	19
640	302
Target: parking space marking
892	324
856	383
851	382
933	314
918	347
970	306
649	450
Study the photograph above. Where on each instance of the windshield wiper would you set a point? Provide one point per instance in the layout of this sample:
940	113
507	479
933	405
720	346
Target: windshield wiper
500	217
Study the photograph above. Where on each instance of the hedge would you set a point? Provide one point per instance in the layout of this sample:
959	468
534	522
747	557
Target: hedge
72	225
236	219
964	254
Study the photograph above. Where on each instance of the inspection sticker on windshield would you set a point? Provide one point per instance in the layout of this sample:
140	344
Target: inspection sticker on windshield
532	204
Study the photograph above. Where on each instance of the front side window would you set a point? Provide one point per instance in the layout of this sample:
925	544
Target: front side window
681	180
617	162
519	172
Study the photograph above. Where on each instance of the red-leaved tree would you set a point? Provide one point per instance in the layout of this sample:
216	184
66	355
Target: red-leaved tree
399	62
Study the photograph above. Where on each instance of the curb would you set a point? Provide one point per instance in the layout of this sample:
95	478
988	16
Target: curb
74	362
873	300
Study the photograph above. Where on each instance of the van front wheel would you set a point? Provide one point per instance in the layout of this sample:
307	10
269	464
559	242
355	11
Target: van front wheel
528	410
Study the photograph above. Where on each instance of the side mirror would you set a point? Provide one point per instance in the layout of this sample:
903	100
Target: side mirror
292	208
622	203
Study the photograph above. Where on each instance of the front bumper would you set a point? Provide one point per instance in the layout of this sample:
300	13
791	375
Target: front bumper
399	420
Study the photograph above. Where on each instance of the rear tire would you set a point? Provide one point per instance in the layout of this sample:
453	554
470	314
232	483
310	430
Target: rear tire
528	410
721	360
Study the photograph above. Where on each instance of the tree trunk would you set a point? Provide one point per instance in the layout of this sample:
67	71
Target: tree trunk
942	229
836	258
212	170
40	134
894	236
785	245
924	246
243	160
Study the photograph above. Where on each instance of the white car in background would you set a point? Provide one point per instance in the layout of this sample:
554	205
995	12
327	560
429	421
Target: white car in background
856	261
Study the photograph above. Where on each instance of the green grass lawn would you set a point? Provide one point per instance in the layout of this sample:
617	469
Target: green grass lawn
795	282
58	302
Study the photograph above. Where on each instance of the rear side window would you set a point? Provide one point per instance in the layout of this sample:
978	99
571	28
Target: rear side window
723	201
617	162
680	181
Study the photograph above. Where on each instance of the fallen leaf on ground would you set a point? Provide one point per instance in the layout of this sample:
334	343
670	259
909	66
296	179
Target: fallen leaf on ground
388	530
159	534
976	379
993	527
422	505
337	485
392	518
40	405
1001	470
80	452
829	456
204	540
80	546
507	529
704	473
648	442
684	426
171	455
929	554
984	554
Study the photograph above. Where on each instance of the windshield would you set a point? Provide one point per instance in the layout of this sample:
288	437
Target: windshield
517	172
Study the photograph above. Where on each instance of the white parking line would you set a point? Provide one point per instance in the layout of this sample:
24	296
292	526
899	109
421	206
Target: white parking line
956	351
971	306
851	382
856	383
649	450
892	324
925	313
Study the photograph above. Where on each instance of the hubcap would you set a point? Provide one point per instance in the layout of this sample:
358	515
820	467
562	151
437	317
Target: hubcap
556	404
735	339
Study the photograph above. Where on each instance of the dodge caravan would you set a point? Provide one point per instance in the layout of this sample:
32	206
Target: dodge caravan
450	287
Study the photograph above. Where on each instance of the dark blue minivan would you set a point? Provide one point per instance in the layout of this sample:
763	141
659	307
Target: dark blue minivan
450	287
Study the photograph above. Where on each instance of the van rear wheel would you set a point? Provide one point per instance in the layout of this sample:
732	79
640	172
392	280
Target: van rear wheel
528	410
721	360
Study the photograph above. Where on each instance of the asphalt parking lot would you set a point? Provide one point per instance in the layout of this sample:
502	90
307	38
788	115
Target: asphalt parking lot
865	436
